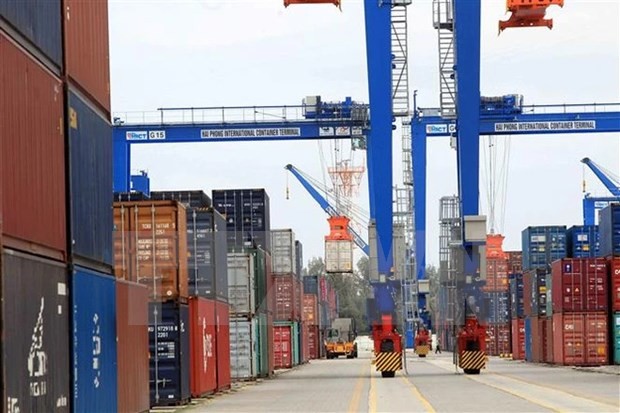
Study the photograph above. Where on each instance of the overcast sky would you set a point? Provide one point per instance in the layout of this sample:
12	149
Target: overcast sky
256	52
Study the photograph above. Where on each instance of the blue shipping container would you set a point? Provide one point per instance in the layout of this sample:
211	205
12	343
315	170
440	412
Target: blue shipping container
169	364
542	245
40	22
582	241
311	284
528	339
94	342
609	222
538	292
496	305
516	296
90	146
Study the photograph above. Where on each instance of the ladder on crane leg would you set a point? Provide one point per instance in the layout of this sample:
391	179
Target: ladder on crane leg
443	22
400	68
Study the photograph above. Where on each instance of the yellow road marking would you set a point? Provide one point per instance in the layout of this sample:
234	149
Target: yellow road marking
372	393
357	393
427	405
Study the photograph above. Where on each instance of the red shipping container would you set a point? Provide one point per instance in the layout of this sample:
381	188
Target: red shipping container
305	336
497	275
87	48
299	298
132	347
580	339
32	163
282	347
538	337
579	284
222	344
202	333
518	339
285	291
498	339
310	313
614	270
548	331
515	262
313	342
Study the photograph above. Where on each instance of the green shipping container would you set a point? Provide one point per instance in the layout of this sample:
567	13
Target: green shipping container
296	344
263	344
616	337
261	285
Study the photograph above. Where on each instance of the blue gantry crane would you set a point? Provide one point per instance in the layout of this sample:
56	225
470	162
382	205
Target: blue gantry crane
592	203
332	211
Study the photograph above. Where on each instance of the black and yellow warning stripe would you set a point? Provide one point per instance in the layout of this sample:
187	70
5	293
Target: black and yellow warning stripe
388	361
472	360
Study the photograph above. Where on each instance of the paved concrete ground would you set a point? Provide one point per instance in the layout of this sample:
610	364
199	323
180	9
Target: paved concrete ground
431	385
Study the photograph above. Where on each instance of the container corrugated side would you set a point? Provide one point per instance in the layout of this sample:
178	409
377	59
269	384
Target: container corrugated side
189	198
609	231
497	275
580	339
313	342
33	154
311	284
614	288
87	49
265	345
338	256
515	262
498	339
35	315
283	254
132	347
542	245
518	339
40	23
580	284
90	148
516	296
222	343
241	283
202	332
583	241
282	346
615	338
94	342
285	290
243	348
527	328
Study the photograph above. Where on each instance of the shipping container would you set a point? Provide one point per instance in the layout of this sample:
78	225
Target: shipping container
527	328
286	344
515	262
38	22
579	285
496	307
283	257
90	165
154	253
615	338
304	354
518	339
338	256
33	147
241	287
310	313
498	339
285	292
87	49
265	345
582	241
271	347
299	258
539	339
222	344
202	345
542	246
311	284
614	278
548	330
497	275
243	348
94	342
314	351
580	339
189	198
264	281
35	316
247	215
169	353
132	347
516	296
609	231
535	293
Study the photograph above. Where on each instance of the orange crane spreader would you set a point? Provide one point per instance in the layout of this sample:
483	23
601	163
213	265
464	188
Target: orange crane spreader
334	2
528	13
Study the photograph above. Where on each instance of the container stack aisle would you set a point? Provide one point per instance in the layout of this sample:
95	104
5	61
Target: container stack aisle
57	147
610	249
496	297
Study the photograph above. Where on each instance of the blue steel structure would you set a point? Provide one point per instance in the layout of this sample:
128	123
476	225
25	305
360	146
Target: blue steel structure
592	204
529	120
327	207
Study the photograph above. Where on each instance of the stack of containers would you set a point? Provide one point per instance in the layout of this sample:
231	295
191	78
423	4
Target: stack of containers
251	314
288	293
517	315
207	290
609	221
247	215
541	246
582	241
57	147
150	248
579	304
496	297
303	329
328	302
311	317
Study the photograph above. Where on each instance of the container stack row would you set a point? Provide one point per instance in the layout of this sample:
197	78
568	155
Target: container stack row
496	290
174	245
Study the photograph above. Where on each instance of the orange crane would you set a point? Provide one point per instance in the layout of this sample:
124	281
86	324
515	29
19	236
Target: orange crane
528	13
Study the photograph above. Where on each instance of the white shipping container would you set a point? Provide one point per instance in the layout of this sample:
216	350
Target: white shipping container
241	294
283	256
243	345
339	256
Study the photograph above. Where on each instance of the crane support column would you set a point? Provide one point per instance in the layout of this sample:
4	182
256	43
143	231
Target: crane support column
379	152
467	32
418	147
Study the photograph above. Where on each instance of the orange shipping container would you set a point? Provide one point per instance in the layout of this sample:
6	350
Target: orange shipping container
310	313
150	245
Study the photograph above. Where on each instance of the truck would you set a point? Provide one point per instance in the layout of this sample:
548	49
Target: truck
340	339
